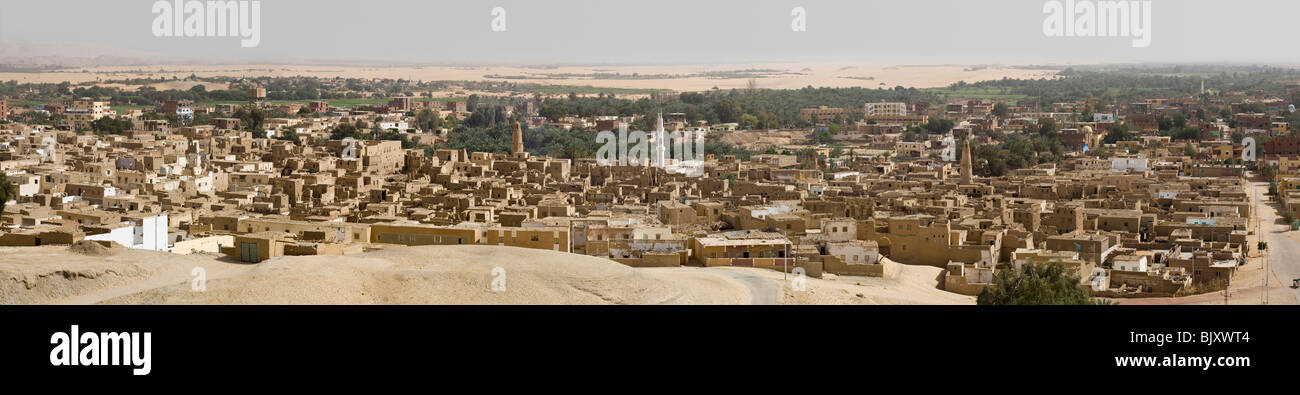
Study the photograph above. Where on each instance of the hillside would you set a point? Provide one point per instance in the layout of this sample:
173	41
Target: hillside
419	275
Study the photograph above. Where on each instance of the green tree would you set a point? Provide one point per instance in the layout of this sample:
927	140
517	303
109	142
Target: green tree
1000	109
1184	133
251	118
1047	127
471	104
938	126
1117	134
289	134
111	125
1034	284
823	137
7	192
343	130
728	110
427	120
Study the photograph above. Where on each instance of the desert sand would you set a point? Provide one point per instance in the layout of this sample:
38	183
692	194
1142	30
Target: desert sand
424	275
685	77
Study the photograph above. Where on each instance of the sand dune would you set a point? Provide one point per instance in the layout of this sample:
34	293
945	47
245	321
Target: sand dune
421	275
683	77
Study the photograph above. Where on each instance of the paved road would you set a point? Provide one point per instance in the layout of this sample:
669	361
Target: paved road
1283	252
761	290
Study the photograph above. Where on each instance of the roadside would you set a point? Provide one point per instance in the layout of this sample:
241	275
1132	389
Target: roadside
1247	286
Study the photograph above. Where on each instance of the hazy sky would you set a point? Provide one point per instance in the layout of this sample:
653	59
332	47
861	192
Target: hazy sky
659	31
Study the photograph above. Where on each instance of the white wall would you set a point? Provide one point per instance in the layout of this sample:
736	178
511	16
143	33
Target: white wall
124	235
1123	164
151	234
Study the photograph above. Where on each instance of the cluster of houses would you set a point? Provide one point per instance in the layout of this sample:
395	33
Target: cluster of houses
1146	219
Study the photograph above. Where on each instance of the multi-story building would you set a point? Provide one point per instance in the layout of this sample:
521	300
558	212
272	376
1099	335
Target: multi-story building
80	113
886	109
183	109
822	114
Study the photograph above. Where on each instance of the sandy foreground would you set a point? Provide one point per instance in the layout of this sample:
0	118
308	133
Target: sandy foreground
686	77
425	275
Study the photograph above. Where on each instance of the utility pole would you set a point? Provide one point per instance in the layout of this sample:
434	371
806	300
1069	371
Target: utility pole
1267	273
1260	236
1267	269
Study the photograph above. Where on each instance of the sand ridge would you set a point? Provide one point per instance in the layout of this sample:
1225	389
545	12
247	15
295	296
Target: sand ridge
450	275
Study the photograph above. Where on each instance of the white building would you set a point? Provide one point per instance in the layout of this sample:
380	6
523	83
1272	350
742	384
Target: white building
886	109
1130	263
399	125
857	252
1129	164
147	232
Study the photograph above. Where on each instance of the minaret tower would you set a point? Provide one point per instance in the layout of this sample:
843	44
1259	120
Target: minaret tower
517	143
965	162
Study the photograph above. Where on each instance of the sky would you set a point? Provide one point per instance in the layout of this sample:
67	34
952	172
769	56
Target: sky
657	32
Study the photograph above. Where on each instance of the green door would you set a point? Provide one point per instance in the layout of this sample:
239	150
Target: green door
248	252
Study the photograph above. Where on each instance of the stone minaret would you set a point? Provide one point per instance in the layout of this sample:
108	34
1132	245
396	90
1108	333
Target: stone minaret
517	145
965	162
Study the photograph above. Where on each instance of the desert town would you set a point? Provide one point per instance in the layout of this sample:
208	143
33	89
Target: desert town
1135	212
